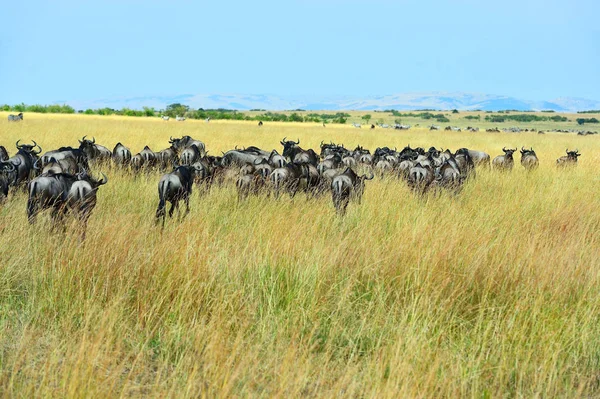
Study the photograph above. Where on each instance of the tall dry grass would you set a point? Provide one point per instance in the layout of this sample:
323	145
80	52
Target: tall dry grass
494	292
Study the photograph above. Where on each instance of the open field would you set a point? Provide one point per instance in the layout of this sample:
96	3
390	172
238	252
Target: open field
494	292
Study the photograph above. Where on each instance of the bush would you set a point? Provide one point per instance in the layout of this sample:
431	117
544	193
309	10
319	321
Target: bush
473	117
89	111
581	121
455	111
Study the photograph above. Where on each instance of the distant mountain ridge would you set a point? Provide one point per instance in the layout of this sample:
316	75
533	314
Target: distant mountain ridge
404	101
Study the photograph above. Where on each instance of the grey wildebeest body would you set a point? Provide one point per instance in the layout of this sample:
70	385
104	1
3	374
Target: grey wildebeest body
81	198
149	158
121	155
167	158
286	178
420	177
174	187
465	162
529	159
7	175
186	141
569	160
504	162
93	151
66	165
294	153
49	192
345	186
15	118
190	155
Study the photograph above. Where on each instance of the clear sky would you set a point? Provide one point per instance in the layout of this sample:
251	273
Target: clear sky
55	51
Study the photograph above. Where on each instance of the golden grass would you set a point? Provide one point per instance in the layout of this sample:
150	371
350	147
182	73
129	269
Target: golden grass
494	292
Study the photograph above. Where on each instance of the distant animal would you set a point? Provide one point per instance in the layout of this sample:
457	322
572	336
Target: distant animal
372	126
81	198
569	160
356	125
179	118
260	123
529	159
165	118
15	118
506	161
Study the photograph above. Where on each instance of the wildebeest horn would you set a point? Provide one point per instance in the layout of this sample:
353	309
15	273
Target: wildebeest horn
36	145
321	143
93	140
522	149
298	142
283	141
235	148
504	149
12	166
83	138
18	146
170	139
35	164
104	179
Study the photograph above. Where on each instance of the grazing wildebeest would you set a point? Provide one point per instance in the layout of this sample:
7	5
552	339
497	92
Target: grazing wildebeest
15	118
569	160
506	161
94	151
24	160
7	172
81	198
3	154
346	185
529	159
121	155
49	191
287	178
260	123
174	187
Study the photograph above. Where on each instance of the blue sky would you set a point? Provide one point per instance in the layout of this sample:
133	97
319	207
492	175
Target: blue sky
63	51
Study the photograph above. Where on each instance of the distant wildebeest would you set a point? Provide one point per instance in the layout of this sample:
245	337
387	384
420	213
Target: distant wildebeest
345	186
3	154
568	160
356	125
174	187
372	126
24	160
529	159
15	118
94	151
121	155
506	161
260	123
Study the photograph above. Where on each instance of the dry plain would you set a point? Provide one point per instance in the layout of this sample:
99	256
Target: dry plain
494	292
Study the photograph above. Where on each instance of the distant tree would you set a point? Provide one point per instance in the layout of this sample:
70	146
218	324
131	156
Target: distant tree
149	111
366	118
176	109
455	111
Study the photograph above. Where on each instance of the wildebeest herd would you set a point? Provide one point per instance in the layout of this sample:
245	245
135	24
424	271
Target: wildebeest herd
61	179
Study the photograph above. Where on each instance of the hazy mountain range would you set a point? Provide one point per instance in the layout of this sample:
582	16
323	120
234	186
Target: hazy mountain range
405	101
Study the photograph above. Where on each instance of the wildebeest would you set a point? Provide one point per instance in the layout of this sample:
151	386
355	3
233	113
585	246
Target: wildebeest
287	178
24	160
263	168
186	141
174	187
465	162
121	155
506	161
7	172
165	118
347	185
260	123
81	198
15	118
529	159
137	162
65	165
149	157
179	118
3	154
190	155
293	152
166	158
420	177
49	191
276	160
569	160
94	151
248	184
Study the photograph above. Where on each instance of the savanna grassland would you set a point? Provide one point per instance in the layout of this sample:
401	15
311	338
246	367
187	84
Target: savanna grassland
494	292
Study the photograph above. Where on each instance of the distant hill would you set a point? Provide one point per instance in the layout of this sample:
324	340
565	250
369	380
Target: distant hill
405	101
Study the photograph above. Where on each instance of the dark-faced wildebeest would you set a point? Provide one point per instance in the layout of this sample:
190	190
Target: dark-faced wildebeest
504	162
15	118
24	160
174	187
186	141
346	185
529	159
569	160
94	151
294	153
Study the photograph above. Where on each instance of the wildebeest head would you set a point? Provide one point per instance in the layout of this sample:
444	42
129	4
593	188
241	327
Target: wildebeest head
288	145
572	155
508	152
525	152
28	148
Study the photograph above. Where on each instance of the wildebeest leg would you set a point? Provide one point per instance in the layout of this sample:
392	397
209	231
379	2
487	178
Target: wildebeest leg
174	204
294	189
32	210
187	205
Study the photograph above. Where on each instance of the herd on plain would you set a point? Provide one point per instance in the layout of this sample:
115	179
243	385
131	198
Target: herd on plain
60	180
